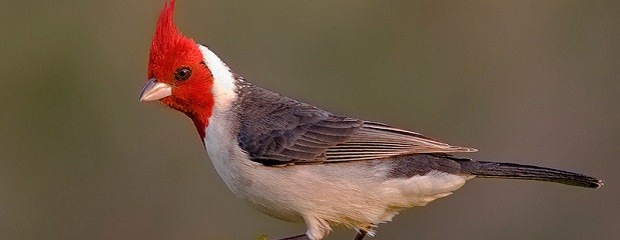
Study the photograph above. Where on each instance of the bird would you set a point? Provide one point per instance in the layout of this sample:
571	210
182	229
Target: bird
299	163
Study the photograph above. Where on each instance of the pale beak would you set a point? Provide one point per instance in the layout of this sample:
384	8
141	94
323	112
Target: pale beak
154	90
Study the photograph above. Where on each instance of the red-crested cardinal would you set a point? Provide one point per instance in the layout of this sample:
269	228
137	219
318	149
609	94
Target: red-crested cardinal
296	162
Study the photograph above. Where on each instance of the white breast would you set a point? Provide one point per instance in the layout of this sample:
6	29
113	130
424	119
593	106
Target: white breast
355	194
220	142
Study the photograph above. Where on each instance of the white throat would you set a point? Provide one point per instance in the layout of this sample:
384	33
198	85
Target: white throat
220	138
223	79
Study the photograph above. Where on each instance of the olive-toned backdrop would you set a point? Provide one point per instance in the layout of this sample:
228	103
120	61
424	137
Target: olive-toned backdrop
535	82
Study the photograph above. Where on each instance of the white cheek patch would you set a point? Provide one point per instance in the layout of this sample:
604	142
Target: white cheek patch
223	79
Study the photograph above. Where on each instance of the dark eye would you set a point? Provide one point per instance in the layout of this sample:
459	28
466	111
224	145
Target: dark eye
182	73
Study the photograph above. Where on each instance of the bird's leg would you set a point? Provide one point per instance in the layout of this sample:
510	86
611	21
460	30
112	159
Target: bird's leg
360	235
298	237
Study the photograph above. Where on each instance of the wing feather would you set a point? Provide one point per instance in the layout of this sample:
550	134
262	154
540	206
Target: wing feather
376	141
278	130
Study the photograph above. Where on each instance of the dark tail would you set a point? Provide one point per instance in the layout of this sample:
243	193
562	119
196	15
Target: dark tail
527	172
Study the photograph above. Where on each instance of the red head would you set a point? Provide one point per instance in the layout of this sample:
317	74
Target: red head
178	76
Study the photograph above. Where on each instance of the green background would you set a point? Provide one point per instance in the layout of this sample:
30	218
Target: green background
534	82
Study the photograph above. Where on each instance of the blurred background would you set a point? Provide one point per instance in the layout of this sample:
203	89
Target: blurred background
534	82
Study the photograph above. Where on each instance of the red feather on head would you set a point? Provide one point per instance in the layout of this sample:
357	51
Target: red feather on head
170	50
167	39
166	34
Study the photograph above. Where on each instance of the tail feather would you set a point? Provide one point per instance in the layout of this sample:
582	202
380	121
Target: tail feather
528	172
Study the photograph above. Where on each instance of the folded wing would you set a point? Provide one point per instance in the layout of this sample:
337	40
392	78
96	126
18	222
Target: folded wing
277	130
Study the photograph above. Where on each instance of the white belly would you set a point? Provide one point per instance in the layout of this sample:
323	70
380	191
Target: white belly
354	194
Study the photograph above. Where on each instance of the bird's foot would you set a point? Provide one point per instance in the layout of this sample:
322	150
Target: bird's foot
298	237
360	235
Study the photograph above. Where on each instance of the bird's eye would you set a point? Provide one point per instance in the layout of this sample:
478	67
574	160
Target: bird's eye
182	73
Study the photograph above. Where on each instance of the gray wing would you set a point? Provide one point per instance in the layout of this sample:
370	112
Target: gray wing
376	140
278	130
